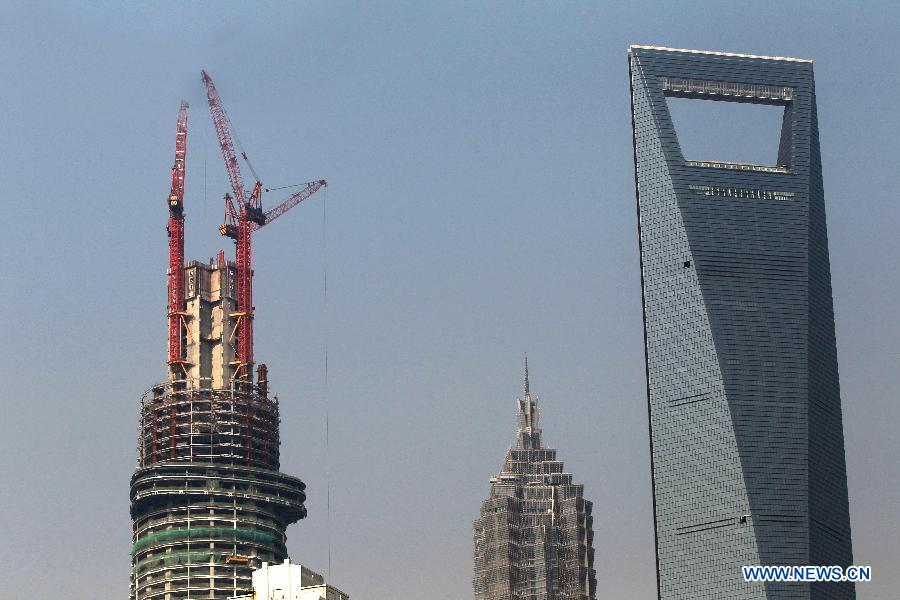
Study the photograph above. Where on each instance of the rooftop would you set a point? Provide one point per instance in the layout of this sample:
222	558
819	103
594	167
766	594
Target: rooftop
805	60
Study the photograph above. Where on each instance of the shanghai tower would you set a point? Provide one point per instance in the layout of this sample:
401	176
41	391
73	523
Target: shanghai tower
747	447
209	503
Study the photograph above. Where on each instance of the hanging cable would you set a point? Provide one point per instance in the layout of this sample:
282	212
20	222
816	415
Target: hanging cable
205	201
284	187
327	428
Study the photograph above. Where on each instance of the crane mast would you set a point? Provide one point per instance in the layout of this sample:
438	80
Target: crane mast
240	223
176	310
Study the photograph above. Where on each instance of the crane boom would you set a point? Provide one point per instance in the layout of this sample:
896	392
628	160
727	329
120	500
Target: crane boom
308	190
175	228
223	132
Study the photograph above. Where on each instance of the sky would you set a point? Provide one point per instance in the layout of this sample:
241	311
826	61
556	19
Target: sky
480	206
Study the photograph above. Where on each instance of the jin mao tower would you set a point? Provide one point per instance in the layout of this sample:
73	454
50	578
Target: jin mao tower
533	540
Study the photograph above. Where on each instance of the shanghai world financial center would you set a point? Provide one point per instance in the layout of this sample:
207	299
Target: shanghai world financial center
746	433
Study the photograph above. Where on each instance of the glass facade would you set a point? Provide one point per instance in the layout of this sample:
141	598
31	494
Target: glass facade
743	396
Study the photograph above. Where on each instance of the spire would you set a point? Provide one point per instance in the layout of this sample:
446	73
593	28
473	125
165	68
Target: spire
527	386
528	435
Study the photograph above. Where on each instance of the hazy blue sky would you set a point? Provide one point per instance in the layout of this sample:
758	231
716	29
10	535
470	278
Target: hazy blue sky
481	205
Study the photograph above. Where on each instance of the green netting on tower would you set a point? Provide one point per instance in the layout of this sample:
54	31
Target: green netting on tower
175	559
226	534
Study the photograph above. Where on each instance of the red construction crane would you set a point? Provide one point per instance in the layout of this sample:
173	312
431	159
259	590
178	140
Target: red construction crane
177	309
240	223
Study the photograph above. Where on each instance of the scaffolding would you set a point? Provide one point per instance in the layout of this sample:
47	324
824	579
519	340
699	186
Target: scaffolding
188	420
534	538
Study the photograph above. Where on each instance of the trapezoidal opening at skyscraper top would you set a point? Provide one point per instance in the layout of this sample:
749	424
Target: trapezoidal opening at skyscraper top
732	123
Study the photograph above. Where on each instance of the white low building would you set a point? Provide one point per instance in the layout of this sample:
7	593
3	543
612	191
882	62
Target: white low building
289	581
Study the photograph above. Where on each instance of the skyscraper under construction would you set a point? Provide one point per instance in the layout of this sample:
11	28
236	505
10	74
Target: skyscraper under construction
534	538
208	501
